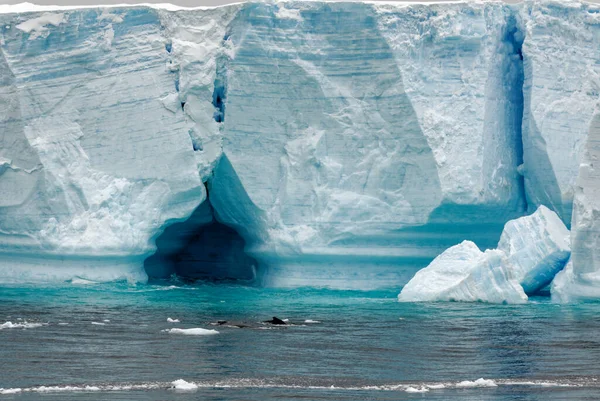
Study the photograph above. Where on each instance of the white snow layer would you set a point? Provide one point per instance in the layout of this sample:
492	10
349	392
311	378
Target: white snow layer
347	143
531	251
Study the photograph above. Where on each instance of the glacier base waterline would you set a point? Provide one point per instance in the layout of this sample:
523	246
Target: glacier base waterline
344	144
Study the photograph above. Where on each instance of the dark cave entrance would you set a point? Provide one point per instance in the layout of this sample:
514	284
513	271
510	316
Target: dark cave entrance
201	248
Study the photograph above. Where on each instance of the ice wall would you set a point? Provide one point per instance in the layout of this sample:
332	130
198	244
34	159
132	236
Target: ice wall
560	130
94	161
384	133
348	144
581	278
560	90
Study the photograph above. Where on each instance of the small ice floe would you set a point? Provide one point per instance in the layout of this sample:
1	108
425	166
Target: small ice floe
99	323
106	320
310	321
197	331
182	385
22	325
81	281
172	320
10	390
63	324
477	383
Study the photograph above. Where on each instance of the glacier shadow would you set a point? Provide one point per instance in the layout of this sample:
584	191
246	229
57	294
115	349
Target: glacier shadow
541	184
201	248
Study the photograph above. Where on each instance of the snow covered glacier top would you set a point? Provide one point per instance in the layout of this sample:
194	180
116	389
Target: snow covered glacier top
347	143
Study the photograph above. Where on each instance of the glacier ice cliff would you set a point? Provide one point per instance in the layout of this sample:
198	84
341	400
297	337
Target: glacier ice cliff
531	251
336	144
581	278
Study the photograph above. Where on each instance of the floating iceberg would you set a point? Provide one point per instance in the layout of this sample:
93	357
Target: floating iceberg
537	248
464	273
531	251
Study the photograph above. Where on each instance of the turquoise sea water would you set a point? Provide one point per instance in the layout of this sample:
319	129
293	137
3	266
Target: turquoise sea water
365	346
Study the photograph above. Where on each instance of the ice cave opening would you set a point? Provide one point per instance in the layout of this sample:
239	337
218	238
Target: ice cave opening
201	248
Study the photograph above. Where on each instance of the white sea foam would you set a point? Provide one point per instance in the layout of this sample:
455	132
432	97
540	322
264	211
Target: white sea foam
410	389
481	382
172	320
62	389
22	325
196	331
99	323
63	324
311	321
182	385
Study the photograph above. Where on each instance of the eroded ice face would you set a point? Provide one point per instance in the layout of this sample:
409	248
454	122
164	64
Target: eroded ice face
346	144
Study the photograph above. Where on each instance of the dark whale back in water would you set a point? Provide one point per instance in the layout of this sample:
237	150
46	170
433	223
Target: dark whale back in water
275	320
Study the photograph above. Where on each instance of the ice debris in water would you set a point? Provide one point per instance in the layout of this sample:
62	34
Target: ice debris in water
192	332
531	251
172	320
10	390
182	385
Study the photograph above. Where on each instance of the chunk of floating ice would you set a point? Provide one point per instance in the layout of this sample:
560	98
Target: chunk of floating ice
172	320
531	251
481	382
537	246
197	331
10	390
23	325
82	281
311	321
182	385
99	324
464	273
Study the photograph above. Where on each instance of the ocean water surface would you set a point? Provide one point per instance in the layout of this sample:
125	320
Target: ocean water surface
113	341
